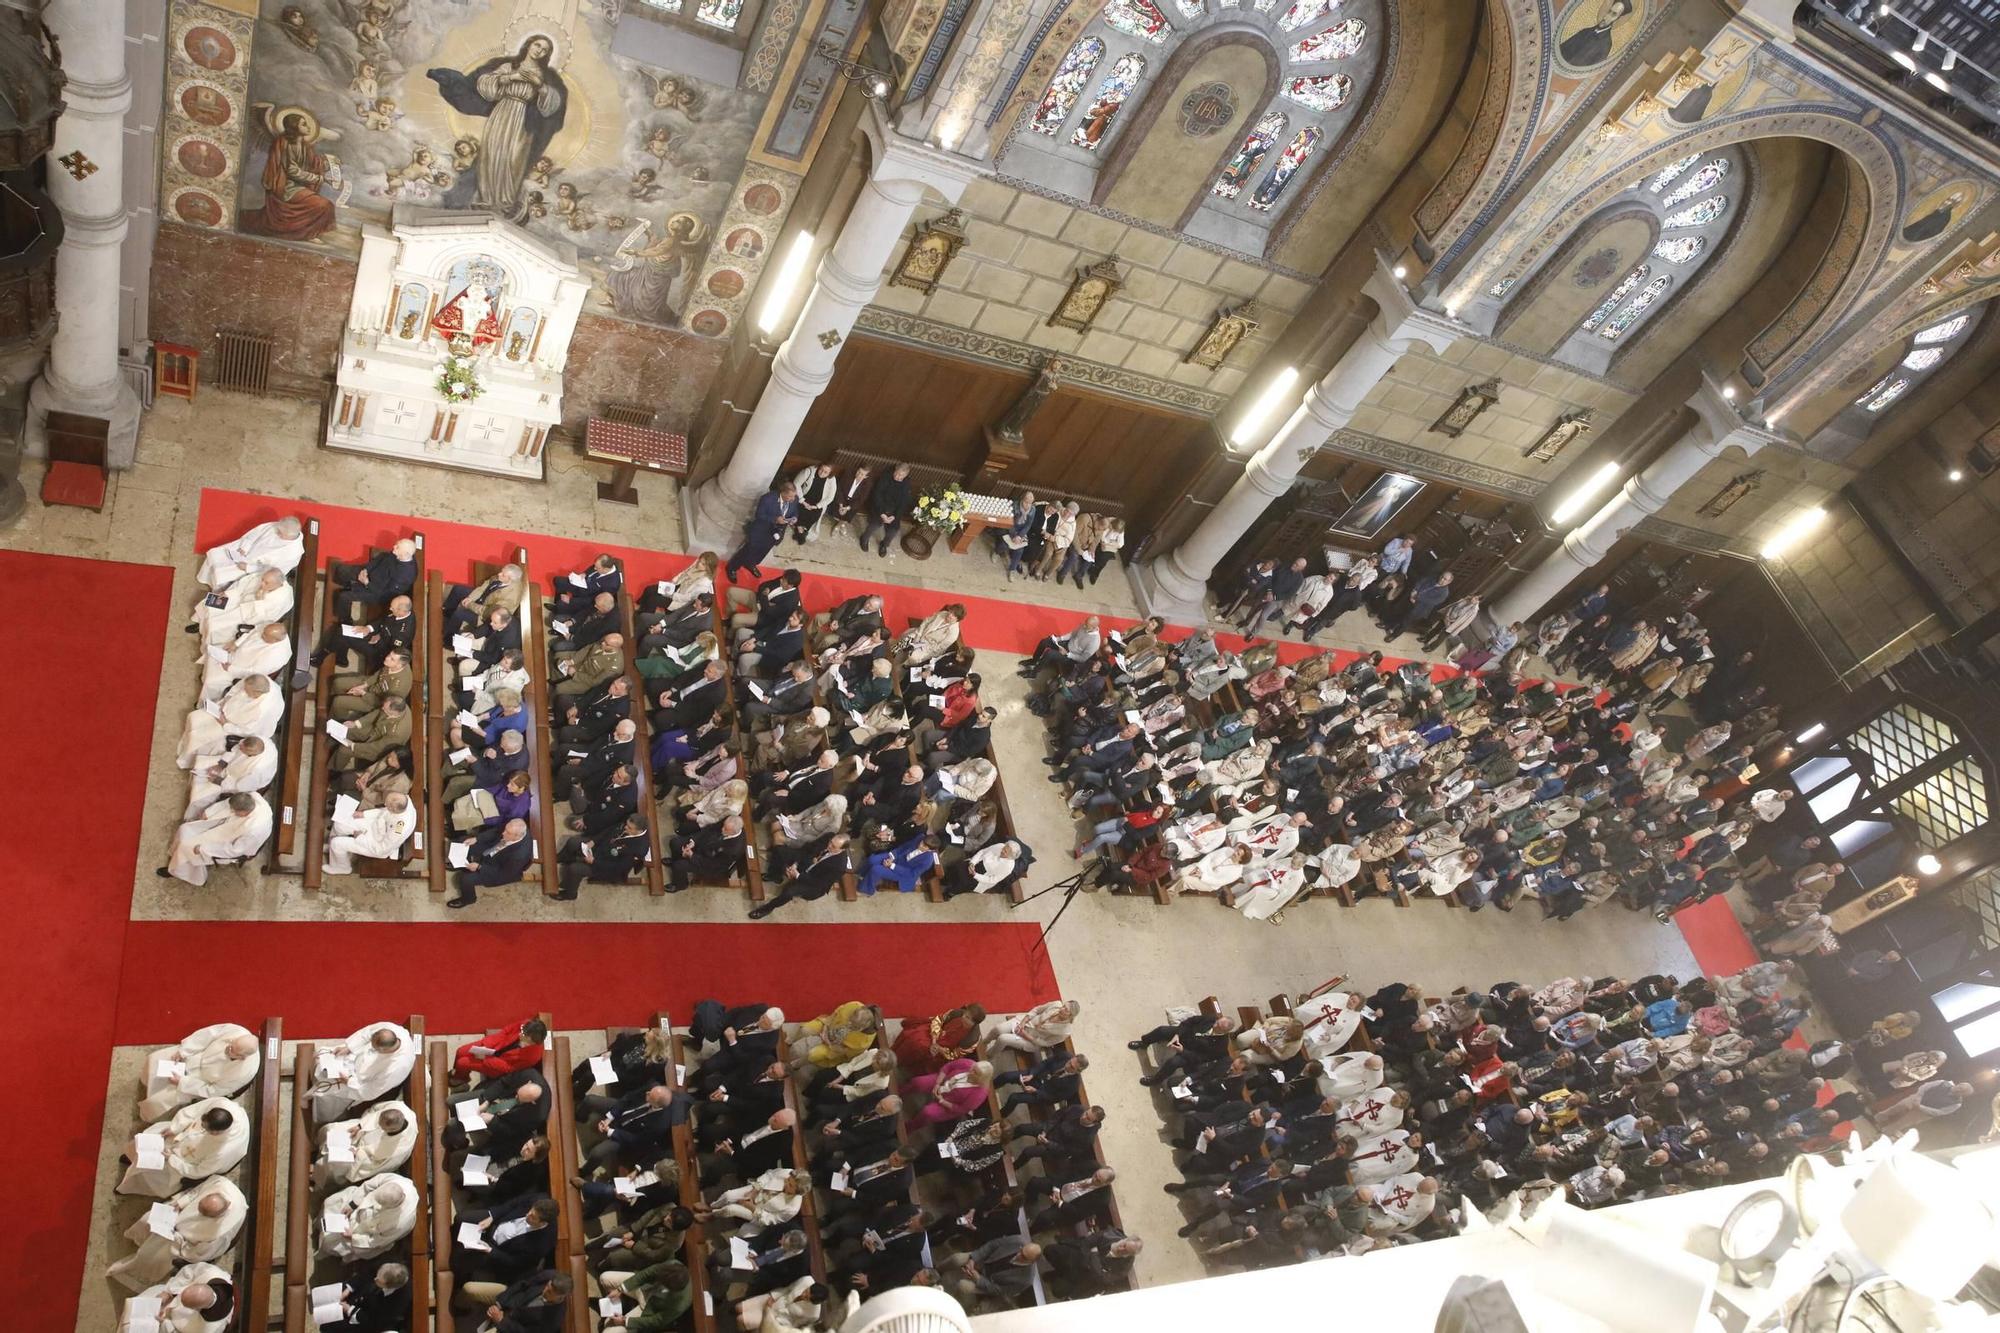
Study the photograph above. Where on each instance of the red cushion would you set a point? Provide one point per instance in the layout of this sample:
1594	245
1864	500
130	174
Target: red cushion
78	484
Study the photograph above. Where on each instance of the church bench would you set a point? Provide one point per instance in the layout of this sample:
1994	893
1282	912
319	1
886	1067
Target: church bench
732	717
437	1057
313	813
429	1201
556	1059
983	1051
809	1206
418	850
252	1271
696	1251
291	737
438	711
1107	1198
297	1264
642	748
541	794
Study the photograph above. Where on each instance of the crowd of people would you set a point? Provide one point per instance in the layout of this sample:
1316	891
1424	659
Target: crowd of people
1354	1122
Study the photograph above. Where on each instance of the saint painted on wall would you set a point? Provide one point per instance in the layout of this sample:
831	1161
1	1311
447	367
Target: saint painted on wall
649	277
523	101
295	175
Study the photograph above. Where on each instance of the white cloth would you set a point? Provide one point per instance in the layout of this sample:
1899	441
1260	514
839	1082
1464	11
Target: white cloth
363	1073
240	772
250	655
244	603
1331	1021
192	1151
262	545
762	1201
787	1311
375	1220
237	713
195	1236
483	701
375	1149
380	832
1371	1113
218	834
1767	804
209	1071
1214	872
174	1316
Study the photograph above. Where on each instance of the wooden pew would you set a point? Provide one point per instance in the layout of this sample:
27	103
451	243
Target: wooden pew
535	651
655	874
982	1050
418	1098
438	1058
703	1305
438	712
291	743
569	1200
252	1275
313	813
298	1262
414	862
809	1207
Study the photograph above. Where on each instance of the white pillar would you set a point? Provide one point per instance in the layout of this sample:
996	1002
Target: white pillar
82	374
1173	585
848	278
1717	426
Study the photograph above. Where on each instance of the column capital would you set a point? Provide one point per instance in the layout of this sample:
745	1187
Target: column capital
902	159
1400	321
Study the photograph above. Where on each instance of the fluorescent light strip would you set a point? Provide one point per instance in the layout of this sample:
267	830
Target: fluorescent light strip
1251	424
1584	494
787	283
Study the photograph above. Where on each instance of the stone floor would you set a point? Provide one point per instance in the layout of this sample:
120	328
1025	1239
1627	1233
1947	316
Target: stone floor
1102	946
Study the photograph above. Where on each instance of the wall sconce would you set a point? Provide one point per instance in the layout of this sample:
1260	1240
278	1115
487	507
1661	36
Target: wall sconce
874	83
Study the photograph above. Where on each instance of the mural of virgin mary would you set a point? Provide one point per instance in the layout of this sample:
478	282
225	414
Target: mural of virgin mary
523	101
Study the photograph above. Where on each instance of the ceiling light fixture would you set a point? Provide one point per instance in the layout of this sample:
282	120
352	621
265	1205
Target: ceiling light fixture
1928	864
1810	732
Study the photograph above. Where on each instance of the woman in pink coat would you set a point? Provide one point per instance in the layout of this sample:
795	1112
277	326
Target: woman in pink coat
956	1091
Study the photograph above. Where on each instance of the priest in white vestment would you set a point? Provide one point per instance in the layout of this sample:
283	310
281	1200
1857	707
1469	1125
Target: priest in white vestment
376	1213
1353	1074
378	1140
1337	865
204	1138
248	767
371	1063
1331	1020
1381	1156
205	1219
229	830
251	707
279	545
1371	1113
259	652
380	832
198	1298
1216	871
1400	1203
261	597
216	1061
1264	892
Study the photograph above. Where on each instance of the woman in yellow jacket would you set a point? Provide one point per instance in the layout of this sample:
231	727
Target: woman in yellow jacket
835	1038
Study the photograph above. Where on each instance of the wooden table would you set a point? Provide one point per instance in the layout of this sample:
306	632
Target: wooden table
982	512
632	448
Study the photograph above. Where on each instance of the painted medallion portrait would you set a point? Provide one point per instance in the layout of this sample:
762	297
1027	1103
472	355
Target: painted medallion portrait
1591	32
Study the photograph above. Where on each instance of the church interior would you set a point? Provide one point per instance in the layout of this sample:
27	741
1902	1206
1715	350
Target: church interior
1002	665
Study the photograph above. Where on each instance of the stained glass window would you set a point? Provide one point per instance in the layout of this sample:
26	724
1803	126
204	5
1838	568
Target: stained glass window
1680	249
1698	215
1636	307
1671	172
1191	8
1943	333
1322	92
719	13
1339	42
1699	183
1243	163
1884	394
1618	293
1262	6
1126	71
1303	12
1066	86
1138	18
1288	164
1923	358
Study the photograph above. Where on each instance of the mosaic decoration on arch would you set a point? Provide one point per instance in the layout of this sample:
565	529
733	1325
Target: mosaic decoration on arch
1883	394
1636	307
1339	42
1680	249
1923	358
1699	183
1289	162
1236	172
1320	92
1066	86
1942	333
1303	12
1190	8
1618	293
1138	18
1697	215
1125	73
1671	172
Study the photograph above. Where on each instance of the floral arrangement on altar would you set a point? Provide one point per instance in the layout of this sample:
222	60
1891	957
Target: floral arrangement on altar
942	510
457	380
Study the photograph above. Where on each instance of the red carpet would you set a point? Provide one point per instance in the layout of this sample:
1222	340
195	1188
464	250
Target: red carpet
1717	938
327	980
75	771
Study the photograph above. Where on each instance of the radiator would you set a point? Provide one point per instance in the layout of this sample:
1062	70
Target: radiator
139	374
628	414
242	361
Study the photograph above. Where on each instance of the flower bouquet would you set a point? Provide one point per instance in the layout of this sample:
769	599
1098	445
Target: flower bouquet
457	381
942	510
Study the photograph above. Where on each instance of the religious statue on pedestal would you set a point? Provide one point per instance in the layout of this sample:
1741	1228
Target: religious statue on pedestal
470	314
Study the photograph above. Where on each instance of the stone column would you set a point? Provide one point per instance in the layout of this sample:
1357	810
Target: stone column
848	278
1717	426
1173	585
82	374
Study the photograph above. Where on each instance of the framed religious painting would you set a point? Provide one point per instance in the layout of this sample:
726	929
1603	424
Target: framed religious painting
1088	291
930	250
1229	328
1378	505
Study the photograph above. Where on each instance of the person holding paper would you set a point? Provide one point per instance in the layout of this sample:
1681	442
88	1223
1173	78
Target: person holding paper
361	648
481	648
654	1299
574	630
278	545
261	597
249	767
769	1200
198	1298
379	1305
576	591
372	735
604	857
502	1051
635	1128
583	671
262	650
535	1304
364	1220
590	768
356	695
810	876
792	1309
777	510
351	1151
251	707
1042	1028
375	784
769	605
230	830
378	833
489	768
197	1224
685	703
504	1244
216	1061
494	857
372	1062
1400	1203
358	587
204	1138
1054	1081
465	606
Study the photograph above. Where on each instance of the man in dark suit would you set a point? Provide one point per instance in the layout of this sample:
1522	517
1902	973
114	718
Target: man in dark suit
795	789
519	1235
777	510
636	1129
768	650
778	1264
387	575
395	628
603	859
1196	1040
851	619
792	694
675	628
588	720
748	1155
535	1304
579	591
812	880
682	705
1066	1136
874	1186
888	501
865	1133
734	1106
497	856
586	625
767	607
515	1107
599	809
380	1304
1056	1081
712	854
